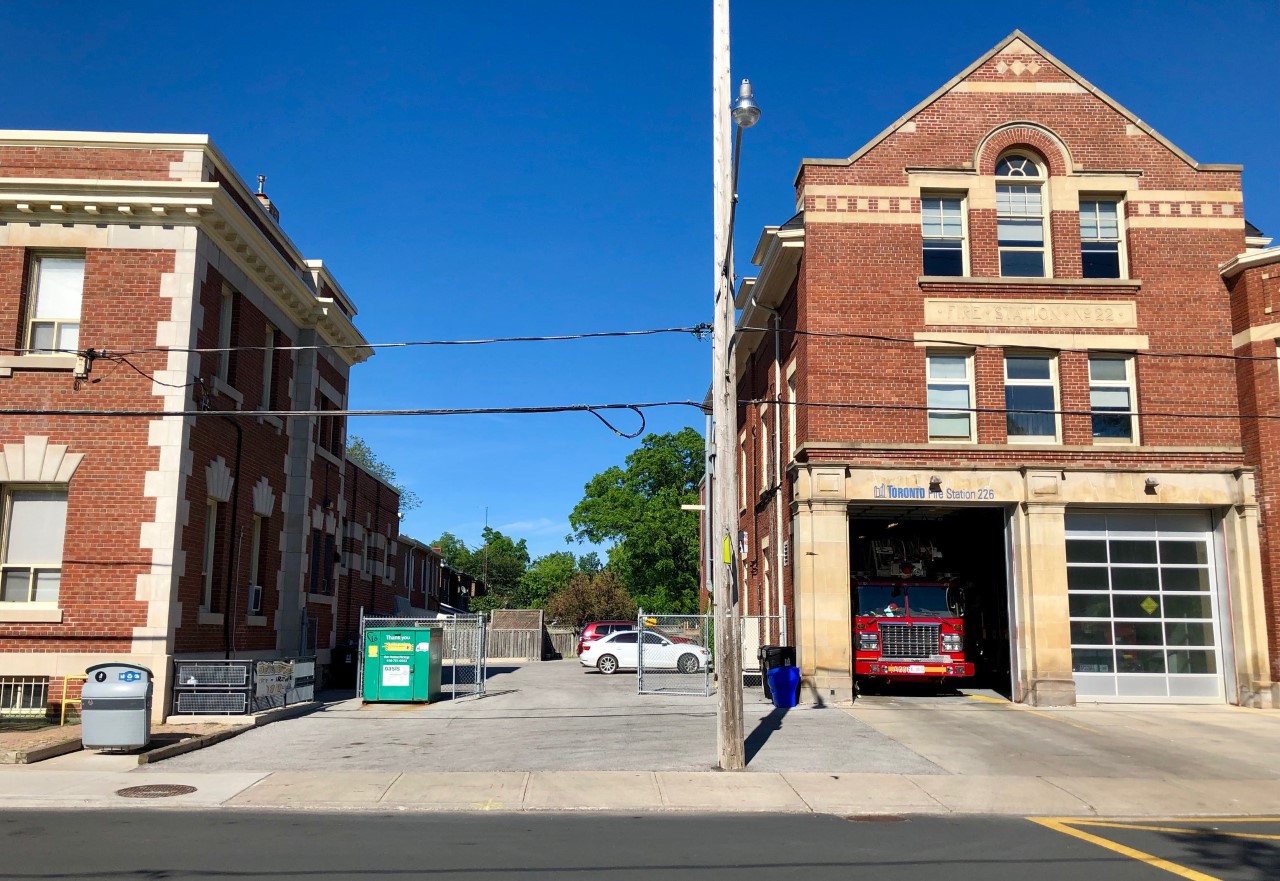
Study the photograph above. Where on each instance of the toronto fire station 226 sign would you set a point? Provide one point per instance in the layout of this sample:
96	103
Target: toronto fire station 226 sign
893	491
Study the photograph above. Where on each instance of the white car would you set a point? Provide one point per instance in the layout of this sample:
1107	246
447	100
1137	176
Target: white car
619	651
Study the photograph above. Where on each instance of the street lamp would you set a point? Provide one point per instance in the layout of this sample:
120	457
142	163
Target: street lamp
724	563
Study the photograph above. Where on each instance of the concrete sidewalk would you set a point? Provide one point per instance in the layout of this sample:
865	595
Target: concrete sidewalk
648	791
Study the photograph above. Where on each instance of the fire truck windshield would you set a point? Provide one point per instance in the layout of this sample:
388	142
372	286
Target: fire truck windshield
931	602
893	600
882	600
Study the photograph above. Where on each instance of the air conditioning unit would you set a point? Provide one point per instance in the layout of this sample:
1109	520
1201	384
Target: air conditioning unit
255	599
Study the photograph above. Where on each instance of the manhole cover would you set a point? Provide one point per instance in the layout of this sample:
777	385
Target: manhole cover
155	790
877	818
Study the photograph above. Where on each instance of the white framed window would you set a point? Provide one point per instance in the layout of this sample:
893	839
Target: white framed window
35	525
209	555
1111	398
950	396
1020	218
1031	397
942	230
1101	244
268	367
225	315
57	289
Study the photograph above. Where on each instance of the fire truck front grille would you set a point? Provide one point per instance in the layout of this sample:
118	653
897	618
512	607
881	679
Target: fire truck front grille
908	640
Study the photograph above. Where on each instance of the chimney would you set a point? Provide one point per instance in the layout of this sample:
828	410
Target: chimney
266	203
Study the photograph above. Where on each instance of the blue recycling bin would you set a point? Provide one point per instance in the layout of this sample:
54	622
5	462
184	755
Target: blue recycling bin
784	683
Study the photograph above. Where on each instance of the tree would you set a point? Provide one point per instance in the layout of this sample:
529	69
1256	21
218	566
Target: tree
589	563
545	576
655	542
585	598
501	563
454	552
361	454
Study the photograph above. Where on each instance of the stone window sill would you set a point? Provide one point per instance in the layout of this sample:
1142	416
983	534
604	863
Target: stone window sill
221	387
328	456
1017	281
10	363
322	599
203	617
274	421
30	613
256	621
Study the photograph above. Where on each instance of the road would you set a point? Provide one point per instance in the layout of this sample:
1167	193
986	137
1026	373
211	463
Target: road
281	846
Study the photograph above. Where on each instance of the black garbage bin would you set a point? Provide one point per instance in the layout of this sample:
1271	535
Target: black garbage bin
772	656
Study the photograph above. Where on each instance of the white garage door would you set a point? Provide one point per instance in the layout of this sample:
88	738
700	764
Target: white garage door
1144	607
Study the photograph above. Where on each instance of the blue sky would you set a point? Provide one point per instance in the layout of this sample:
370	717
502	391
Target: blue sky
516	168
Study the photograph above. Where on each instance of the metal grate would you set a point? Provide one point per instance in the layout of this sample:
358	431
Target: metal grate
212	702
23	695
908	640
156	790
226	675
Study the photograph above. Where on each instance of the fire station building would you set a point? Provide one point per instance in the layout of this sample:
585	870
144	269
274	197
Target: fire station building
1005	328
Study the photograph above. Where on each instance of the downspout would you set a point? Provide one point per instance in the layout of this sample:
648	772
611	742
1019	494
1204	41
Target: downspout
377	524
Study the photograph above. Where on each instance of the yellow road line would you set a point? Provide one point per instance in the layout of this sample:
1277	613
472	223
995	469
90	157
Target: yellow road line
1058	824
1177	830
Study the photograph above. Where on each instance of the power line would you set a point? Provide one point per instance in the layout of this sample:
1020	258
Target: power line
883	338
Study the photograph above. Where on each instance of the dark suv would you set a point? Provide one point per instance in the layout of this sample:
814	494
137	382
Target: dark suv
597	629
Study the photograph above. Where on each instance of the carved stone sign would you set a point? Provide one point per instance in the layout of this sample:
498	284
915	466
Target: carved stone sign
1031	313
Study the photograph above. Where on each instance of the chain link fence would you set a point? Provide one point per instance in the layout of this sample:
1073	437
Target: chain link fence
463	650
757	631
673	654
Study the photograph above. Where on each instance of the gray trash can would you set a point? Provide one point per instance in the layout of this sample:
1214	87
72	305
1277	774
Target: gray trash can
115	707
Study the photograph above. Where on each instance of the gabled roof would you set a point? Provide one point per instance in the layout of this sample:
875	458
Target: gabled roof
1033	48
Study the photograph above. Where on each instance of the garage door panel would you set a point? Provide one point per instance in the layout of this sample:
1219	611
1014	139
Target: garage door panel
1142	606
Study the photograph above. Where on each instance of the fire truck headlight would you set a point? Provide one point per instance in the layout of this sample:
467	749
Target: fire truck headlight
868	642
952	642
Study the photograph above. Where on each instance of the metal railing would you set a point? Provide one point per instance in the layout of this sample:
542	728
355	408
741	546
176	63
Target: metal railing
24	695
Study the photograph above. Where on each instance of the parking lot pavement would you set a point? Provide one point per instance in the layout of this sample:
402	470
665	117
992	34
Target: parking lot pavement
554	716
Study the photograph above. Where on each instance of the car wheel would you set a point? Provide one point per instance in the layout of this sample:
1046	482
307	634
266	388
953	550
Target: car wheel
688	663
607	664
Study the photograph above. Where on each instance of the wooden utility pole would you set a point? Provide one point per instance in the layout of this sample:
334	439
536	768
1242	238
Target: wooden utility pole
728	641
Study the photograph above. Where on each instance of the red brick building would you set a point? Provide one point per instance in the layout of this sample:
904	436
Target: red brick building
1005	326
200	525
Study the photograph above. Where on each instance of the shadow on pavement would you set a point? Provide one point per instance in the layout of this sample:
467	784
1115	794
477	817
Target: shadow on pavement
763	731
1226	851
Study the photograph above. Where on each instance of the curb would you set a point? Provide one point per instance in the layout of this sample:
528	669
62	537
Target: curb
39	754
195	743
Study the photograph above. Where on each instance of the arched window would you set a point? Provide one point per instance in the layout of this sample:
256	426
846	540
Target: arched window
1020	216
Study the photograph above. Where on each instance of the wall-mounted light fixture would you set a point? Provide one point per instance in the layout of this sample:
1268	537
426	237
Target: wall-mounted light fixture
1152	483
935	483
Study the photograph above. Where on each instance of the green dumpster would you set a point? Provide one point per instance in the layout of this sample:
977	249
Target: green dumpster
402	664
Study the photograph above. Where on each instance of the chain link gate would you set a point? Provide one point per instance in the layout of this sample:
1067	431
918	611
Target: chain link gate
673	654
462	658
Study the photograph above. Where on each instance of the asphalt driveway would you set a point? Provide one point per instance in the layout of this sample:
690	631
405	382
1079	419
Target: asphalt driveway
552	716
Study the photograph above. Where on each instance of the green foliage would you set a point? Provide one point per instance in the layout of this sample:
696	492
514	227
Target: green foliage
500	563
545	576
655	543
585	598
360	453
589	563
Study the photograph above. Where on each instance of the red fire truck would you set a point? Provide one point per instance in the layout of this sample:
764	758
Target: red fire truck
908	616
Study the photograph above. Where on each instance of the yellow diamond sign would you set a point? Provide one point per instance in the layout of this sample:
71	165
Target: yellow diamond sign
1149	606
